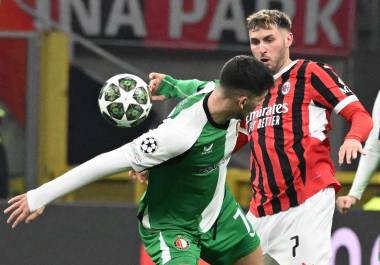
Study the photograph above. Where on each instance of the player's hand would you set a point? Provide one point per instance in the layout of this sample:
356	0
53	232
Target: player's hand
142	176
349	150
154	83
20	212
344	203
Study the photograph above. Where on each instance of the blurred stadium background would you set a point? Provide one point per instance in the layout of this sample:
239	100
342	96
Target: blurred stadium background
54	57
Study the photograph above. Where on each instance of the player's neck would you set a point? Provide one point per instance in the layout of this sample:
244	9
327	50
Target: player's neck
287	62
219	108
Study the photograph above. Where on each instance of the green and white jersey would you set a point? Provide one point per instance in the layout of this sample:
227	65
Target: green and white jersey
187	156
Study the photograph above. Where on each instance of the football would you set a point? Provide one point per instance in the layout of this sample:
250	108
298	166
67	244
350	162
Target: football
124	100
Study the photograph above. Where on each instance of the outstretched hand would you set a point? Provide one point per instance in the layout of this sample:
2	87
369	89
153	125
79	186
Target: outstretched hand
154	83
19	211
344	203
142	176
349	150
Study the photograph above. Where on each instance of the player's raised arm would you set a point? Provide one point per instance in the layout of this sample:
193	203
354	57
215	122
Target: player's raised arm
164	86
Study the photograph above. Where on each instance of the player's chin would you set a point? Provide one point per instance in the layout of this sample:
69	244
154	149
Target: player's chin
271	67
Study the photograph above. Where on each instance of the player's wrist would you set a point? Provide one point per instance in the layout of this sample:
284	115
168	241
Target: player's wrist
354	199
166	87
353	137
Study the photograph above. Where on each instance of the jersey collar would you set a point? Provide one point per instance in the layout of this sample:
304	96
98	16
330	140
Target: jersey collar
208	115
285	69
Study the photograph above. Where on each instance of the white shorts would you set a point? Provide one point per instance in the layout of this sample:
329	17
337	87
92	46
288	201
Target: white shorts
299	235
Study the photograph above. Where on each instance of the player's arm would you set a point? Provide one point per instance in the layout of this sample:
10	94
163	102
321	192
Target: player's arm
361	125
148	150
164	86
331	92
367	164
22	207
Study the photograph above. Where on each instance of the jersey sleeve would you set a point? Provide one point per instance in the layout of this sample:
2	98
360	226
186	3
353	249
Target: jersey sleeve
171	139
150	149
368	163
174	88
328	89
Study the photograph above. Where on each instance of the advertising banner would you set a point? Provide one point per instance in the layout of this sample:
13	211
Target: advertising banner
321	27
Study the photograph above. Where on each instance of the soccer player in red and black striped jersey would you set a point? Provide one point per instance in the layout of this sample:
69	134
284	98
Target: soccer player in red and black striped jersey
292	174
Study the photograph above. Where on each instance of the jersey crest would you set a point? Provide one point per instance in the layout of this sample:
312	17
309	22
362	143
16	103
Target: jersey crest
181	243
285	88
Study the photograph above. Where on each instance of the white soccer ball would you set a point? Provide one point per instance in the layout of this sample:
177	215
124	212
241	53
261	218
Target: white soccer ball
124	100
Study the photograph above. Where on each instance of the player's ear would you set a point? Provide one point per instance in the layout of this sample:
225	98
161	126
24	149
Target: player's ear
242	100
289	39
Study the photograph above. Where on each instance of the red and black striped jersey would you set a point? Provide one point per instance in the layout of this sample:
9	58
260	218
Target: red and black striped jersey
290	159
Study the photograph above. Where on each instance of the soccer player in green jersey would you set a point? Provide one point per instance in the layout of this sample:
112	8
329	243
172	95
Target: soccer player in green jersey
187	212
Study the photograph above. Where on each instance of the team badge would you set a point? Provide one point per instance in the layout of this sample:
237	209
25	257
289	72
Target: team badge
149	145
285	88
181	243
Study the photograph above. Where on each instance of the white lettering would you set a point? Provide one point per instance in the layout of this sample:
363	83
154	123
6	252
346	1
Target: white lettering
345	237
314	17
134	18
267	111
344	88
285	108
235	23
260	124
376	252
267	121
278	108
277	120
178	17
89	20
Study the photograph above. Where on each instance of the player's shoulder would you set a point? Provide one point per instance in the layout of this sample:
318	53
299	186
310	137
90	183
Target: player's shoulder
207	87
317	67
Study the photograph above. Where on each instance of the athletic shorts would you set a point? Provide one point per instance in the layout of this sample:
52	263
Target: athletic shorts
299	235
230	239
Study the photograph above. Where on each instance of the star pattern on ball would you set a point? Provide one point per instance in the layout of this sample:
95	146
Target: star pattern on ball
149	145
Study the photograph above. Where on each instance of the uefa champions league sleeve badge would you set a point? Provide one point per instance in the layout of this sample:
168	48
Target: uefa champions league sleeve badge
149	145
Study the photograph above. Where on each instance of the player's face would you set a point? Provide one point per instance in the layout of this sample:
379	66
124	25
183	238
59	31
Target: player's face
271	46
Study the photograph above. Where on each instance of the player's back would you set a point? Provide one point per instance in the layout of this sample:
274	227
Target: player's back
187	191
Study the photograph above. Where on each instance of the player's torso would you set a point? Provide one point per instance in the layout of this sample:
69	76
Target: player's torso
287	102
182	188
279	131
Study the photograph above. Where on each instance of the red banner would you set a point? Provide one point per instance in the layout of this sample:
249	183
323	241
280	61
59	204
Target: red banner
12	18
13	76
321	27
13	54
324	27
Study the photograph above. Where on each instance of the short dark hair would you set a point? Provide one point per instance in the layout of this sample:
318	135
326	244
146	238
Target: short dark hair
266	18
244	72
